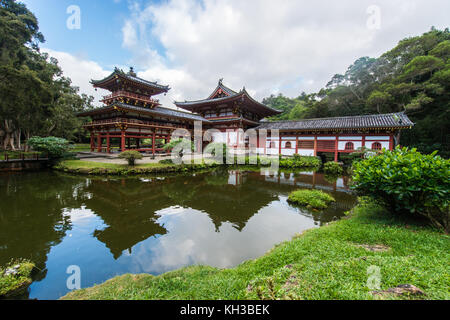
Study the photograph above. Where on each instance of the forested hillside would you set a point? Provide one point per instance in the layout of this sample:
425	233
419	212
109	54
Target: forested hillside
413	77
36	99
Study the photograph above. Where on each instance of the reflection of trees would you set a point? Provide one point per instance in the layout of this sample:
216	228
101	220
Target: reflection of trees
31	215
230	203
127	207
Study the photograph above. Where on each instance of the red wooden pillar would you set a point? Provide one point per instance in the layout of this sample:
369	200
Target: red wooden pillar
154	144
336	147
99	142
279	151
363	141
122	142
315	146
391	142
296	144
108	143
92	142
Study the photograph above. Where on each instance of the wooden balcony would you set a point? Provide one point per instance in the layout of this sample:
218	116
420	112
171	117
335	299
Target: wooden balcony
135	122
128	95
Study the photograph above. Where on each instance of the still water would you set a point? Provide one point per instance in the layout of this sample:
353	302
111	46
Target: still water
112	226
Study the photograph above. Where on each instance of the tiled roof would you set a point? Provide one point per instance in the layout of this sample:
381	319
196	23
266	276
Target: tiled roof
236	95
157	111
131	76
392	120
227	90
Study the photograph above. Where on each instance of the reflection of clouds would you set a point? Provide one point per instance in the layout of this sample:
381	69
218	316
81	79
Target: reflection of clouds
170	211
80	216
192	238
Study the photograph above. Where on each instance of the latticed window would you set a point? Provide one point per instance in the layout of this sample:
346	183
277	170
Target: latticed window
376	146
272	145
306	144
349	146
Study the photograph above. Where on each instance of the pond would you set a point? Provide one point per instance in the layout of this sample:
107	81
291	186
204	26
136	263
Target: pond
154	224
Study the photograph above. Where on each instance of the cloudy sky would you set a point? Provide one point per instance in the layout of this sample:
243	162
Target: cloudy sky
268	46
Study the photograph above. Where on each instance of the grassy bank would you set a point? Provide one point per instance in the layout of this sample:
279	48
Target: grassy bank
98	168
15	278
327	263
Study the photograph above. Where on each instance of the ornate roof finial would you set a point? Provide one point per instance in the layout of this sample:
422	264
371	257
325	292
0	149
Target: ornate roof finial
220	81
131	72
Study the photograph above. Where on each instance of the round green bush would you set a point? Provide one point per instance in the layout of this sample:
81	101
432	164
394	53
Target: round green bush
315	199
407	181
131	156
333	168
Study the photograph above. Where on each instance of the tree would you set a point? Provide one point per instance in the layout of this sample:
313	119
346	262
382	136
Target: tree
36	98
131	156
54	147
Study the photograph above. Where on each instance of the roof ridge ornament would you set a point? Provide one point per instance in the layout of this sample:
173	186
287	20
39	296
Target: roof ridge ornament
131	72
220	81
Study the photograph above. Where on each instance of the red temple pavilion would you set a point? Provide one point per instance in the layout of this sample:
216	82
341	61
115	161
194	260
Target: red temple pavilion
132	118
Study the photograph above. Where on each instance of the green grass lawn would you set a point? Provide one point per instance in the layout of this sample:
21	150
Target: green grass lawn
323	263
80	147
99	168
18	155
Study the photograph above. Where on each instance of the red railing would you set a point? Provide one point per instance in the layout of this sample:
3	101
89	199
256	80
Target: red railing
133	121
126	94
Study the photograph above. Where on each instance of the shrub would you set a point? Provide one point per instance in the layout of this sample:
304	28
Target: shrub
407	181
298	161
54	147
315	199
214	146
131	156
180	145
166	161
333	168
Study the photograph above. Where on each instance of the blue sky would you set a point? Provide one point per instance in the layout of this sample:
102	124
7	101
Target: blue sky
100	36
268	46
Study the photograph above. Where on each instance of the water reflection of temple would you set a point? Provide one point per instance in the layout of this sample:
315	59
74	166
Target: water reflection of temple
128	206
311	179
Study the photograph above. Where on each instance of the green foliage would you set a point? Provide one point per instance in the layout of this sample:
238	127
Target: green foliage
314	199
413	77
166	161
214	147
37	100
131	156
407	181
180	145
333	168
54	147
17	282
298	161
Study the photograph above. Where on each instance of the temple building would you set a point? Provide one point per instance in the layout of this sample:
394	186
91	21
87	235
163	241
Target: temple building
228	111
132	119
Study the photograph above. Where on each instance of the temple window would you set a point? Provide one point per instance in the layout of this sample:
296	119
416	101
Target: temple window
349	146
376	146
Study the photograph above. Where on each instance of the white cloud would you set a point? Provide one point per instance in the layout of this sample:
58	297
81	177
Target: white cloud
81	72
268	46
